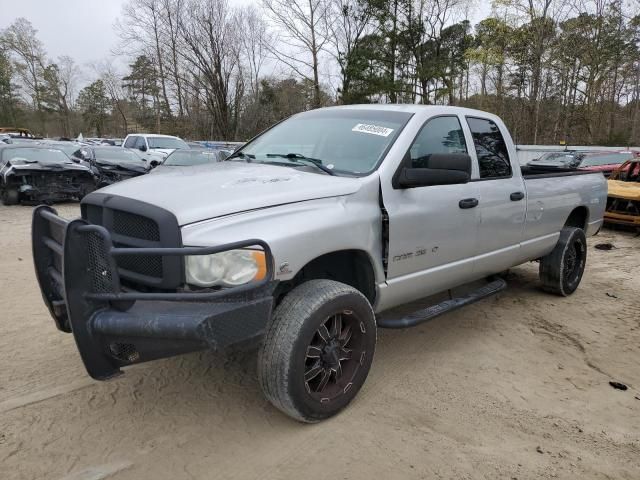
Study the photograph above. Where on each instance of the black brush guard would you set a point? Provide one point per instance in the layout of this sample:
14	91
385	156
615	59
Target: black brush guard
112	326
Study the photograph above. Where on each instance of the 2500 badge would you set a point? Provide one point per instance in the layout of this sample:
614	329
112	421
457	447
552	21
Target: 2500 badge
409	255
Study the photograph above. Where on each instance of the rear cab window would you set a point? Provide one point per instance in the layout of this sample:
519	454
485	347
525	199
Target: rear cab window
491	149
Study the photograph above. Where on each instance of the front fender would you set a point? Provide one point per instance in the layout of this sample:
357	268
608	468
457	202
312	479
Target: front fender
300	232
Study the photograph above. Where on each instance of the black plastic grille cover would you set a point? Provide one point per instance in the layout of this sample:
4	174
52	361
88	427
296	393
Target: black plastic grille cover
133	223
136	226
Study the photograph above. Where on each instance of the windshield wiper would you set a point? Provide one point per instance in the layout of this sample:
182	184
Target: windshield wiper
245	156
301	159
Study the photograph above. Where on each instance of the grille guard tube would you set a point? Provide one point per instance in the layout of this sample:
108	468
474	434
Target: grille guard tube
82	296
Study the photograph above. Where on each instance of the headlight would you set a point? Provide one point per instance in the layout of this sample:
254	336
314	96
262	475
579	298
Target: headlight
228	269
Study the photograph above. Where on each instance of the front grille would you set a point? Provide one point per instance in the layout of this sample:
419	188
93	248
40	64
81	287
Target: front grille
98	265
124	351
149	265
136	224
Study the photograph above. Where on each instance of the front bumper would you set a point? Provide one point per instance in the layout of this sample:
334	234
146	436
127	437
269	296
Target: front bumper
113	326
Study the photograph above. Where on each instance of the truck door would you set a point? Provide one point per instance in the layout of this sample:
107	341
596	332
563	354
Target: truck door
432	232
501	198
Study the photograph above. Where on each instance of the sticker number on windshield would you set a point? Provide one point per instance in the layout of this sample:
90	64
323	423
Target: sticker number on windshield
372	129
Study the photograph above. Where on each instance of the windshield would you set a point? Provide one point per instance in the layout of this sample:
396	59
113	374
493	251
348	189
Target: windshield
350	141
166	142
68	148
116	155
606	159
191	157
30	154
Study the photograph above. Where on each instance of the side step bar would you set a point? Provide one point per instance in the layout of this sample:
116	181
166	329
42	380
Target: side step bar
426	314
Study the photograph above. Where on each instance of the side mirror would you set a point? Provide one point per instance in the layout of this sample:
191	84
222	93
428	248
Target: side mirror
142	148
424	177
439	169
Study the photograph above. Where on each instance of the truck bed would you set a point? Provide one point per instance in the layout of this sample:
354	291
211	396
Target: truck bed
541	172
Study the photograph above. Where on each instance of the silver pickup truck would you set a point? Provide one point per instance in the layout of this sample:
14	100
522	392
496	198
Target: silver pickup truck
305	239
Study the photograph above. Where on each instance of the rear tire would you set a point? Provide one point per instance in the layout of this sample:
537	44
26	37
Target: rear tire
10	196
561	270
318	350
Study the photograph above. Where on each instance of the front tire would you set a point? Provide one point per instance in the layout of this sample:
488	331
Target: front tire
561	270
318	350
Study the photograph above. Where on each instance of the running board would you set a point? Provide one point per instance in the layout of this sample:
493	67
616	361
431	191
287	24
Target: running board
426	314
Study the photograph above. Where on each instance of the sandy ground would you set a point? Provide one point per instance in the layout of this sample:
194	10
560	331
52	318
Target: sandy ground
516	386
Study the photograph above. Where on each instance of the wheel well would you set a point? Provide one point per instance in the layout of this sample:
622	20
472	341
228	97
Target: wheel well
578	218
351	267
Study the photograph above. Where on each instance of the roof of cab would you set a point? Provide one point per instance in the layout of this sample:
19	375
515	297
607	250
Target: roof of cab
411	108
150	135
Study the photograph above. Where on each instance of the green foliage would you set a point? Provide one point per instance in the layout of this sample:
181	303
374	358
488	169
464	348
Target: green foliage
553	70
95	106
8	92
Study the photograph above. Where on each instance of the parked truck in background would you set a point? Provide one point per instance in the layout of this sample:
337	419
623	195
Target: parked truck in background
305	239
154	148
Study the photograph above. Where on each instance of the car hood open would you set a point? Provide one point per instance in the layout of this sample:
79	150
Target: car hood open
202	192
18	166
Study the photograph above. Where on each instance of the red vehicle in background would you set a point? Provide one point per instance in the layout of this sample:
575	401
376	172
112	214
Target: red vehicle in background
605	162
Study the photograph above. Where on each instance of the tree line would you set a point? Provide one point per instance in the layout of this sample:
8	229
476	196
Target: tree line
555	71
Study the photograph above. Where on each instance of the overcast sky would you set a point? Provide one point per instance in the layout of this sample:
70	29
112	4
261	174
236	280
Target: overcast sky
84	29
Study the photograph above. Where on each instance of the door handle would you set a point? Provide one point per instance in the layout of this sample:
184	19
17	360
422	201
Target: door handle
515	196
468	203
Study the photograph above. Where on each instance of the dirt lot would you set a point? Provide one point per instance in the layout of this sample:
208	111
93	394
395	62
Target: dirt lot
516	386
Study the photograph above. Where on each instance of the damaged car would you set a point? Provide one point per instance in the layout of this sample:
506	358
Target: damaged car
38	174
623	199
110	164
605	162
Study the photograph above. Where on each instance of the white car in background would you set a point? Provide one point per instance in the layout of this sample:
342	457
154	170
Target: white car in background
154	146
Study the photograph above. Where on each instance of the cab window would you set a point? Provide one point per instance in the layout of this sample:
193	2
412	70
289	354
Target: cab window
131	141
438	135
491	149
139	143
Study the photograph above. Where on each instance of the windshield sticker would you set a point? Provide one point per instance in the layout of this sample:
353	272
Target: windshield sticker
372	129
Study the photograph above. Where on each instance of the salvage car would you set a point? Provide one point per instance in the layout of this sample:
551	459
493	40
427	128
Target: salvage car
305	239
605	162
623	200
39	174
111	164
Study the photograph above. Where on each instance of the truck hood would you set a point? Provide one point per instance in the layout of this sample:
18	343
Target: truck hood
201	192
162	151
